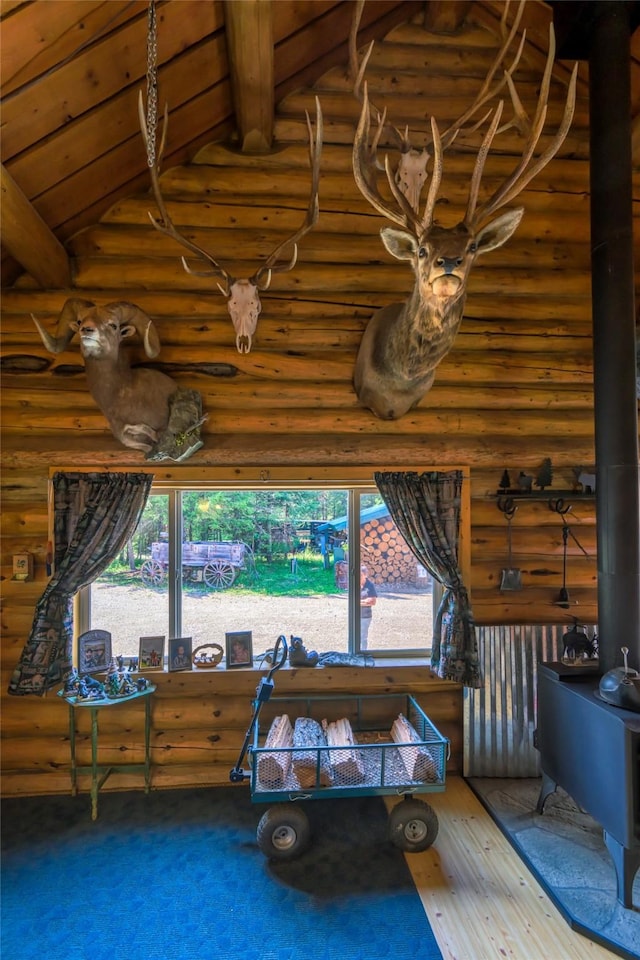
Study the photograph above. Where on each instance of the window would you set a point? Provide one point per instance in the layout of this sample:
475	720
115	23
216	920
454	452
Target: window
323	563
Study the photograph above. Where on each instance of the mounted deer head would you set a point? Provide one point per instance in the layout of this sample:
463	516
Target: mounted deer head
243	295
404	342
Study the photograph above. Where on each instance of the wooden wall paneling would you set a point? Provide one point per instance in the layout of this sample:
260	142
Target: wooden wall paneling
55	159
517	386
321	35
94	76
198	725
62	28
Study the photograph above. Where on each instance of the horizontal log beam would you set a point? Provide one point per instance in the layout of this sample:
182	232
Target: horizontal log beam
423	420
41	394
551	317
41	450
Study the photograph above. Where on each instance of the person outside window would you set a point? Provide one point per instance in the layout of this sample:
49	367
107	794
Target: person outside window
368	598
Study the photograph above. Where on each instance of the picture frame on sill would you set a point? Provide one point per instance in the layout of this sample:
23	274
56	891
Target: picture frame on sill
239	646
94	651
180	651
151	653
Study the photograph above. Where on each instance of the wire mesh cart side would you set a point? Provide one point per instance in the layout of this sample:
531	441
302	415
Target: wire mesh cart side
374	765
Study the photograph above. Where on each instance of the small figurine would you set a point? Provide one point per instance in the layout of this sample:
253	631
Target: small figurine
298	656
524	482
71	683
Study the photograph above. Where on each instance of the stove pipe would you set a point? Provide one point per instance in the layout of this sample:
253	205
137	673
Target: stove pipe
614	346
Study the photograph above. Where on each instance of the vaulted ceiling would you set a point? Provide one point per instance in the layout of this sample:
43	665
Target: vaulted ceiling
72	71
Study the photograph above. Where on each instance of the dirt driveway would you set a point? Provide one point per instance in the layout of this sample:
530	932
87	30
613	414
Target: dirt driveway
401	619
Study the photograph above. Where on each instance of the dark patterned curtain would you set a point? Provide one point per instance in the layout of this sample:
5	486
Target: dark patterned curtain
94	515
426	510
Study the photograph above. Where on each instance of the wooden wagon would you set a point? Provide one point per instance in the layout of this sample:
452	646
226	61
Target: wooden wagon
213	562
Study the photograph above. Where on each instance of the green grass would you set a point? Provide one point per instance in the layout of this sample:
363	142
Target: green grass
274	578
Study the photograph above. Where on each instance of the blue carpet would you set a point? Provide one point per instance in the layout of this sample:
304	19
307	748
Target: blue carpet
177	875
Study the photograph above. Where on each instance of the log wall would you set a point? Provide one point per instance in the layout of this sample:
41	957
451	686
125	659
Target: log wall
516	388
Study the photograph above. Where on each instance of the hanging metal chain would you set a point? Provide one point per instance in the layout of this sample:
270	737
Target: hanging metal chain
152	84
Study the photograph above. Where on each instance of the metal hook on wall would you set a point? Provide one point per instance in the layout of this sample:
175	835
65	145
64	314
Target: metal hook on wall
558	506
507	506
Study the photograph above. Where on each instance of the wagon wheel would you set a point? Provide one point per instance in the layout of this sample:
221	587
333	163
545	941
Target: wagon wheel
219	574
152	573
284	832
413	825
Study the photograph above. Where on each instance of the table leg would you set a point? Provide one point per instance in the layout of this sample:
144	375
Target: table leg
94	764
72	746
147	753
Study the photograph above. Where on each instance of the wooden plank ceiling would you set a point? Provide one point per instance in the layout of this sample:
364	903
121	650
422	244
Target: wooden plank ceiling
72	71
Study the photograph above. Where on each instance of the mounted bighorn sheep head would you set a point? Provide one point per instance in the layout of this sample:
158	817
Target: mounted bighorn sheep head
145	408
404	342
243	295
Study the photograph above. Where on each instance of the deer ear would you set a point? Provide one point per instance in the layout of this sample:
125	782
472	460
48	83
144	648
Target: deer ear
499	230
399	243
127	330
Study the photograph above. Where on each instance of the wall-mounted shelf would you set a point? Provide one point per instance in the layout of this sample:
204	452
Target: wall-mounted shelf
543	495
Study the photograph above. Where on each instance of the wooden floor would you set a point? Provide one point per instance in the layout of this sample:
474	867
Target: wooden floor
481	901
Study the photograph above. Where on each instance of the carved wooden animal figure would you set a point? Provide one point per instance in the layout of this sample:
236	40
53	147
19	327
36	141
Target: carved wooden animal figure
404	342
243	295
145	408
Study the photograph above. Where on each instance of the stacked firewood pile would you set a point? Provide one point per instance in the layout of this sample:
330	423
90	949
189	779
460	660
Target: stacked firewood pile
386	554
325	753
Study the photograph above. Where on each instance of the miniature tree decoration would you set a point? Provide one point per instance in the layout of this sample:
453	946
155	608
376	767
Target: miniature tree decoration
545	474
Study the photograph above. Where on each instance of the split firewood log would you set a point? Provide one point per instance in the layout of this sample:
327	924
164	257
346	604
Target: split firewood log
310	764
347	765
273	768
419	762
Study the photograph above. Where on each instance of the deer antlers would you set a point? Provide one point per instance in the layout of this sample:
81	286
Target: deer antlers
405	212
243	301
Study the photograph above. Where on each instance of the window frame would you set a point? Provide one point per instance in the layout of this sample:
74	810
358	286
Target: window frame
355	480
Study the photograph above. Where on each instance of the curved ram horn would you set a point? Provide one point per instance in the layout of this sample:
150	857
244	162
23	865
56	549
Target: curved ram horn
126	312
68	315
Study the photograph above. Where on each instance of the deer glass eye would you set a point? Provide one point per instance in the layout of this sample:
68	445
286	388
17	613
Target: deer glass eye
422	252
473	248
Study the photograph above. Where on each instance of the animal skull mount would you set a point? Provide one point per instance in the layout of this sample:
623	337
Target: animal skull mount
244	306
146	409
243	295
403	343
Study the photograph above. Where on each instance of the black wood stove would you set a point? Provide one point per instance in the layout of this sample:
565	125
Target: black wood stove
587	746
592	750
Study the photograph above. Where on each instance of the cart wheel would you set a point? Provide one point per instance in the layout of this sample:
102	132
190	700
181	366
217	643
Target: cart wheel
152	573
413	825
219	575
284	832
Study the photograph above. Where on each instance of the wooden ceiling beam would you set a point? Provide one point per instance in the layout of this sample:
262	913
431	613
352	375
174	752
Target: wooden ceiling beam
28	238
445	16
249	30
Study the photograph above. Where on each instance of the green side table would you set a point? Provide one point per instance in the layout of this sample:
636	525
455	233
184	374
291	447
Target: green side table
99	774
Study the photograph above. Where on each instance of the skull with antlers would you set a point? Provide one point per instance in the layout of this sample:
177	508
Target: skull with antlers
243	295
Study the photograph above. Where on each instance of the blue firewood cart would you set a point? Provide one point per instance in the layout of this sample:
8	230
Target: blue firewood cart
374	765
